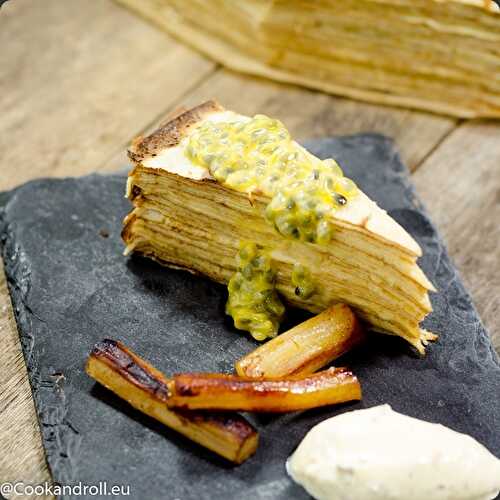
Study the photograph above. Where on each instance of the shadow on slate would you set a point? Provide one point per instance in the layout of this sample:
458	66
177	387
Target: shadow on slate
71	286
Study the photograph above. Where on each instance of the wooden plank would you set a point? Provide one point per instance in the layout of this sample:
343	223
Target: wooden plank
72	96
309	114
460	184
78	77
22	457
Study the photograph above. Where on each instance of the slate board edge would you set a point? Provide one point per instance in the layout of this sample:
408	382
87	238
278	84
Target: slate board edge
404	173
61	433
63	436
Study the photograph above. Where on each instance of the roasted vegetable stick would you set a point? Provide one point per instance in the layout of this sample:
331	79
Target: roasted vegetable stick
145	388
212	391
306	348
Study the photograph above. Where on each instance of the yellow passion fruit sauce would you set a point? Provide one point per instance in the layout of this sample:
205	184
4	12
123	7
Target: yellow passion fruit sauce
258	155
302	281
253	302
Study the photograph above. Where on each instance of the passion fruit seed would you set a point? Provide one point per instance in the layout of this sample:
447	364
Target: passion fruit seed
259	154
253	302
339	199
302	280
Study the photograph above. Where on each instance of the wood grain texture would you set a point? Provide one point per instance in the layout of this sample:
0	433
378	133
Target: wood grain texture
22	457
77	79
70	94
72	97
460	184
309	114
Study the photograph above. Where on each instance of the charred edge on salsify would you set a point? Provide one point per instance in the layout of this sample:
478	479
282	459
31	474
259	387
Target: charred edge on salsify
190	385
136	371
227	421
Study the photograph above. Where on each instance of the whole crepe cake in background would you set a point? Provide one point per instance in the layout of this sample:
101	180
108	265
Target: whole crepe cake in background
437	55
236	199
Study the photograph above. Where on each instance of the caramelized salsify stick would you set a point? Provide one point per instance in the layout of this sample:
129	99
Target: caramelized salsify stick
305	348
145	388
213	391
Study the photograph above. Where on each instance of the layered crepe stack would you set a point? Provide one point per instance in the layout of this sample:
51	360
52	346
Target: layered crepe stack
437	55
184	218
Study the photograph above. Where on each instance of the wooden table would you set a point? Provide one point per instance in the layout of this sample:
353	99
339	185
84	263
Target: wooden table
78	80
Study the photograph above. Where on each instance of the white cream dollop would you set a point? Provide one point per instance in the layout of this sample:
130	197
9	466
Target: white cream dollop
379	454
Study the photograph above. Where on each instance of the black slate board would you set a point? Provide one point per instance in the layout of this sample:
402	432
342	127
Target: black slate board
71	287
